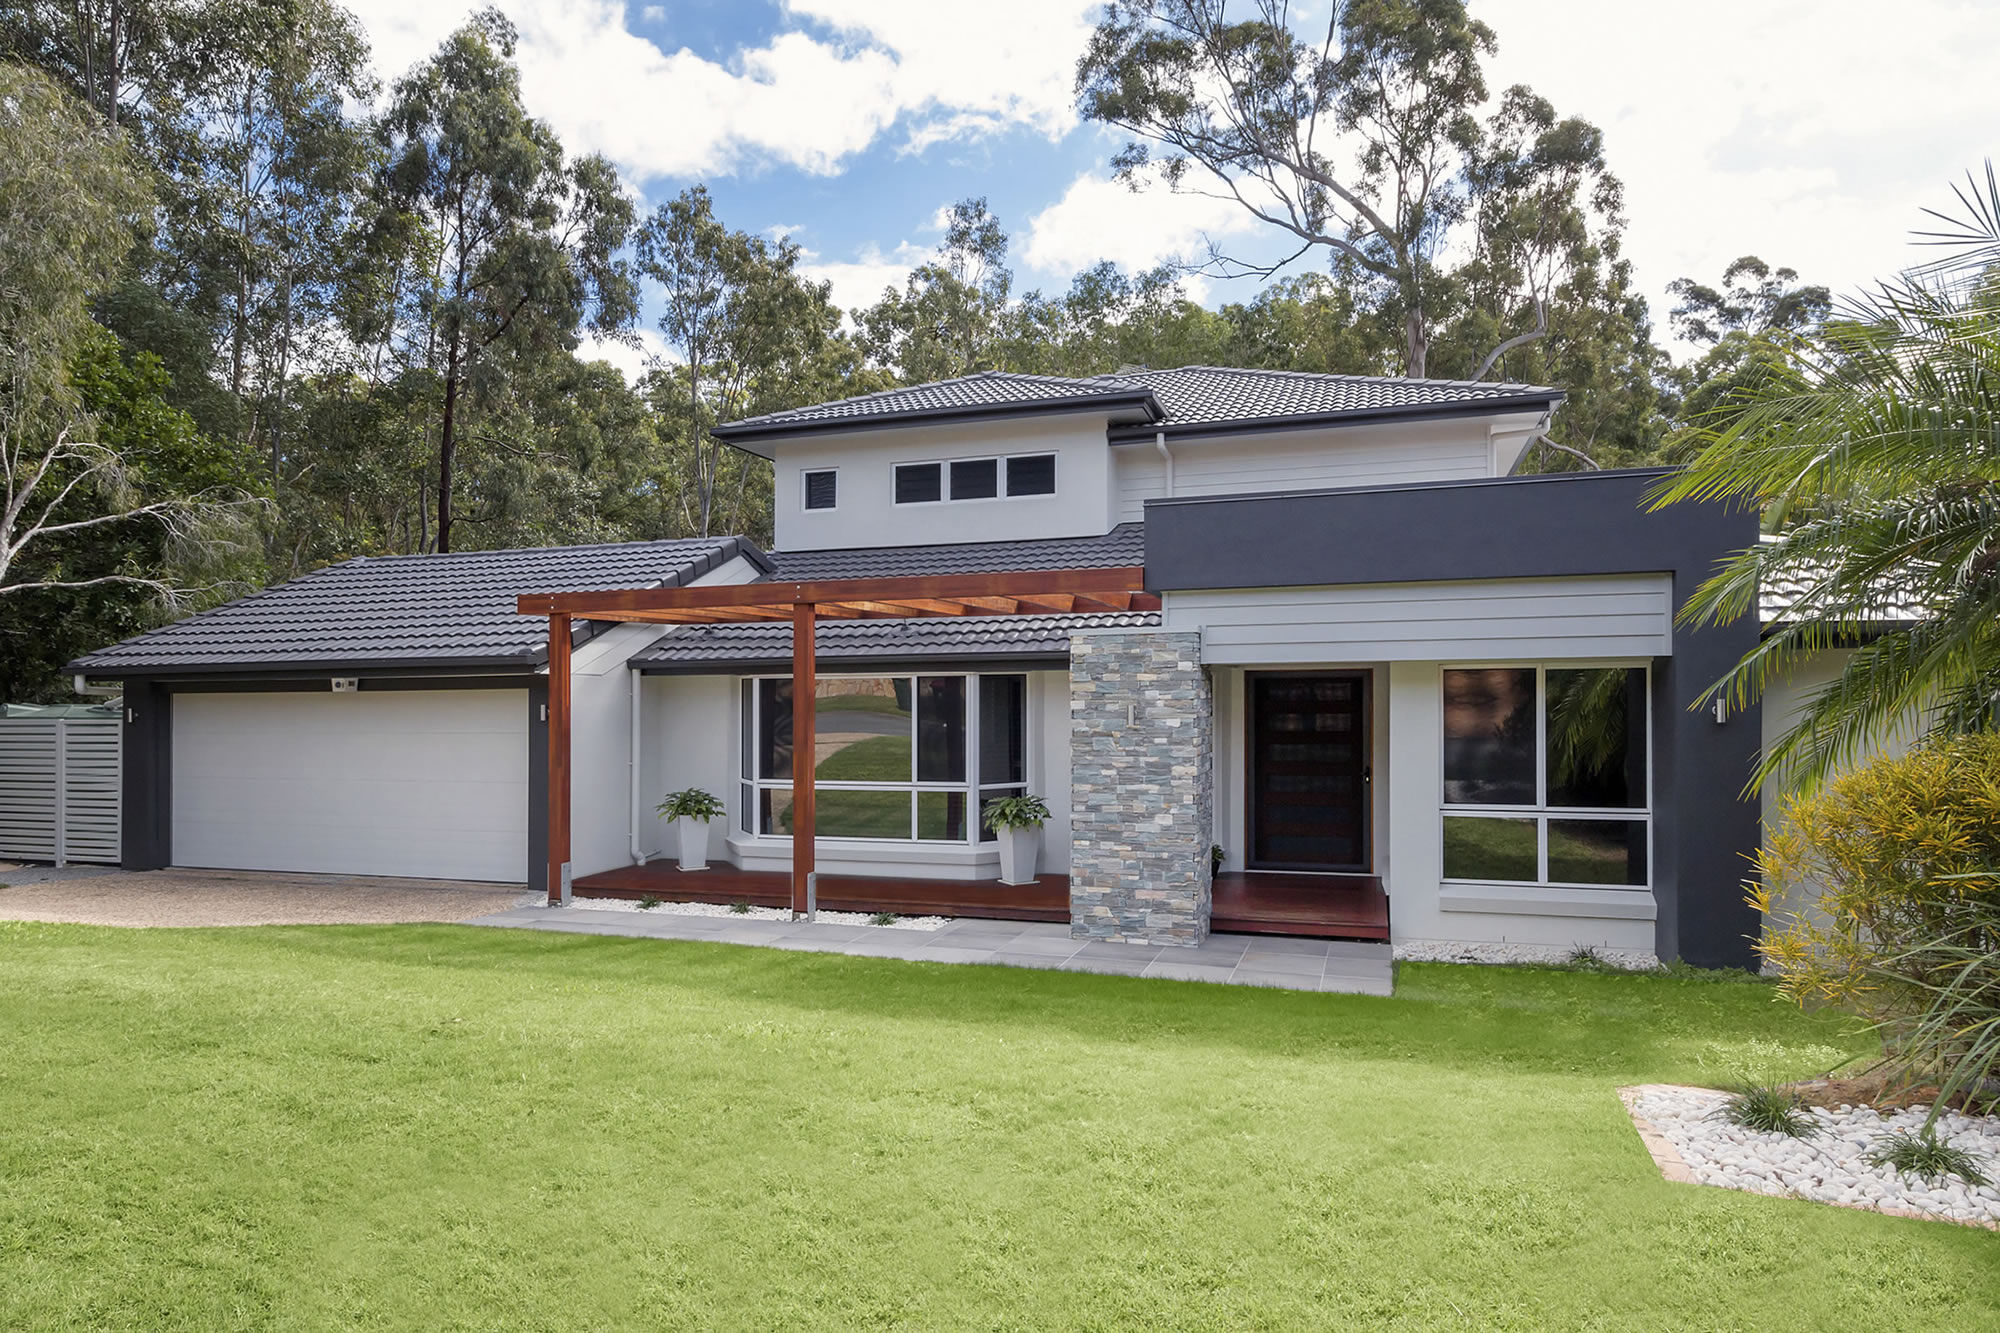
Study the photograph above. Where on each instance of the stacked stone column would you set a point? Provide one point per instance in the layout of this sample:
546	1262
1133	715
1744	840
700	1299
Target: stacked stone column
1141	787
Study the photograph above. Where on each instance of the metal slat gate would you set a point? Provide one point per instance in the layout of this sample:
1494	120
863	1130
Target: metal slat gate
59	788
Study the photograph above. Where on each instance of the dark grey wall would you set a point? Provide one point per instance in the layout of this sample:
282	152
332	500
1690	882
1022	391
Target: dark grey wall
1534	527
538	785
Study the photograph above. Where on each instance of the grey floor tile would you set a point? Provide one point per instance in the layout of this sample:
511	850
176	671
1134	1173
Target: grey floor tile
881	949
1110	967
1297	963
1047	929
1127	953
815	931
947	954
1175	971
1249	976
1014	958
1043	947
1357	949
1288	944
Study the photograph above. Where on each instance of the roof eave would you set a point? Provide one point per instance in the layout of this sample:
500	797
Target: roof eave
1480	407
747	435
525	662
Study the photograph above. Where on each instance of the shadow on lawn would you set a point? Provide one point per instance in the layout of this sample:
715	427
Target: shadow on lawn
1524	1019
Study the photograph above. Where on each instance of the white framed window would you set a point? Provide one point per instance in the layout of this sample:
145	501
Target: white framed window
821	488
899	758
919	483
1031	474
1547	775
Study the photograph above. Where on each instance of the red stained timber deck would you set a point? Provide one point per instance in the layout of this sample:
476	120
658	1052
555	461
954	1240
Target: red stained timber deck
1047	899
1352	907
1263	902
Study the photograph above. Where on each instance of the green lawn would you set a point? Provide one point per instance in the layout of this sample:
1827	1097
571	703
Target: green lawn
441	1126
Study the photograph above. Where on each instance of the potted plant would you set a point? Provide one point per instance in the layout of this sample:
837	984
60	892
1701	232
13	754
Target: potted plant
691	810
1017	822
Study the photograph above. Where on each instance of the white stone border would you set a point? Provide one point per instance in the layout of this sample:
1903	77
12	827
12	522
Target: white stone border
1673	1166
1456	951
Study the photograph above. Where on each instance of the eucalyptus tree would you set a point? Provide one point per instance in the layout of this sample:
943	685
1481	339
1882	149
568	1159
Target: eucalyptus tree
946	319
504	251
1873	450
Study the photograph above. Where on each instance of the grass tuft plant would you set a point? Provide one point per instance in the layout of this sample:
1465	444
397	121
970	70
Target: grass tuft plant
1768	1109
884	919
740	907
648	903
1920	1153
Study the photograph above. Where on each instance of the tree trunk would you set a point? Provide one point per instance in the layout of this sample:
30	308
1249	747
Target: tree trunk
447	445
1416	344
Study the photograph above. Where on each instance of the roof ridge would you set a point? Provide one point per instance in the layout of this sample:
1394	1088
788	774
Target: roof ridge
1350	377
525	550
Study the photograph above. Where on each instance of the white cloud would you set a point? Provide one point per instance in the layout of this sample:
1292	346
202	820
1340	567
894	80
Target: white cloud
805	99
1098	218
1808	132
632	361
858	282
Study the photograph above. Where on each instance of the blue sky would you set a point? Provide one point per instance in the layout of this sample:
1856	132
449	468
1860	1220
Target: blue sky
1788	128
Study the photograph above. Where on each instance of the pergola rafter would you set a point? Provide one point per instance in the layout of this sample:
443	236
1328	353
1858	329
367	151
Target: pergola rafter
1045	592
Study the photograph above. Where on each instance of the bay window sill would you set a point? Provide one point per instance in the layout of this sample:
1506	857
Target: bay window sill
835	856
1632	904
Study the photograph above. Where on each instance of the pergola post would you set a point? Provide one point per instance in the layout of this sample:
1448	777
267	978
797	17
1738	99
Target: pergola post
805	752
559	711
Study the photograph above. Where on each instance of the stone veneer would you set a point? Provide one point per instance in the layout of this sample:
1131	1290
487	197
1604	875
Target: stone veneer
1140	762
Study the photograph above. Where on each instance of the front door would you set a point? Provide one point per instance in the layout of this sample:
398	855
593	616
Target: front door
1309	774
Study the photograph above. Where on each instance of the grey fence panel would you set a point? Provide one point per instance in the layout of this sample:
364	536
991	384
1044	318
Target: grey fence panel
60	789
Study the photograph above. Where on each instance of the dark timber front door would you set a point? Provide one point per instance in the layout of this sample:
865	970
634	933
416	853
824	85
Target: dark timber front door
1309	771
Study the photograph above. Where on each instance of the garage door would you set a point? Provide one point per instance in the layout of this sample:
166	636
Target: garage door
426	783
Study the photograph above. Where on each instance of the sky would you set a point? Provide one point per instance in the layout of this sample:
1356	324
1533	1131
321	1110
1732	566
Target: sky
1809	132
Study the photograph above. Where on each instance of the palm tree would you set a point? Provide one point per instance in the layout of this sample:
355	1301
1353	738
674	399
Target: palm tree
1874	454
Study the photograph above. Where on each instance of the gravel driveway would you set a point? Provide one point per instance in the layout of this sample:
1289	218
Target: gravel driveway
100	896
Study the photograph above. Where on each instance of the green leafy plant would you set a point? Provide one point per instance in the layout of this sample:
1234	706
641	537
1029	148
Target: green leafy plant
1215	858
884	919
1586	958
740	907
1768	1109
648	903
693	803
1921	1154
1015	812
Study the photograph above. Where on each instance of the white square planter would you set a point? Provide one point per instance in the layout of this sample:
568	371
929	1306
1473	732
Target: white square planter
693	836
1020	854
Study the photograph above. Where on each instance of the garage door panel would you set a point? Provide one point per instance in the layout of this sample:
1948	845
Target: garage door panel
426	783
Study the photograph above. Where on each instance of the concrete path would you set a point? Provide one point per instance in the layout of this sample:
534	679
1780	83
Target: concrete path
1239	960
107	896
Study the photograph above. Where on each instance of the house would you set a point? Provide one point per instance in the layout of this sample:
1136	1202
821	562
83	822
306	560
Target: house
1312	621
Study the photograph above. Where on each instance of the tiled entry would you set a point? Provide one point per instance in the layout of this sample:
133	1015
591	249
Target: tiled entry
1288	963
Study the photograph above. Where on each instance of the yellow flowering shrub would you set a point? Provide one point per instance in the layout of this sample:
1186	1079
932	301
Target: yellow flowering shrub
1877	888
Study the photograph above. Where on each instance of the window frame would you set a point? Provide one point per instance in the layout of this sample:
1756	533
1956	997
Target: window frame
896	478
1541	812
1001	471
1007	481
805	489
749	745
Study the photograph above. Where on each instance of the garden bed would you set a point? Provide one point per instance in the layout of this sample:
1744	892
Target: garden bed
1691	1142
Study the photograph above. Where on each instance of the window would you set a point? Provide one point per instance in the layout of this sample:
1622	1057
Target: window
1032	474
919	483
1546	775
821	490
894	755
975	479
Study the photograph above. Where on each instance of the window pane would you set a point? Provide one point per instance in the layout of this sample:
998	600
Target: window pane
1489	849
774	737
749	715
941	816
940	728
820	490
862	730
1489	736
1597	851
917	483
988	795
975	479
862	814
1597	737
1002	729
1034	474
746	813
774	810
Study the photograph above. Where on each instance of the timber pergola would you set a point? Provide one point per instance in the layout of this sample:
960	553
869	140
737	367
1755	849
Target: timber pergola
1045	592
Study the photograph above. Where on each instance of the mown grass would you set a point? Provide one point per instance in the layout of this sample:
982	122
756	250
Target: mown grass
448	1127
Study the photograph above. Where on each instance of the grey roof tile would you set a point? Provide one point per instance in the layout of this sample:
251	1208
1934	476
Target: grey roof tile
413	610
942	639
1191	398
1123	546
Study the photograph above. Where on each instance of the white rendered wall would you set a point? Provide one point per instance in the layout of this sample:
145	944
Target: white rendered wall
866	514
1421	906
1451	449
688	739
1627	615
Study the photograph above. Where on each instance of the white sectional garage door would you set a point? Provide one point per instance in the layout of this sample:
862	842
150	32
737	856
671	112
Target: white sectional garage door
425	783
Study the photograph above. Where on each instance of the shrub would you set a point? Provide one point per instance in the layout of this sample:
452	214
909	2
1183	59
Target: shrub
1922	1154
1881	894
1768	1109
692	803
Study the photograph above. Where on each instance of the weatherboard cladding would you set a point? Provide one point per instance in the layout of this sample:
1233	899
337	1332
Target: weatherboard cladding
1190	398
407	611
941	639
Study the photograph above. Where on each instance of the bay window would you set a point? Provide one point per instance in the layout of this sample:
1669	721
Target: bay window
1547	775
898	758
